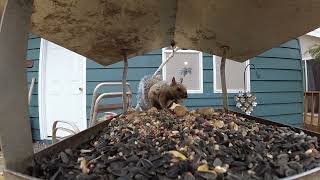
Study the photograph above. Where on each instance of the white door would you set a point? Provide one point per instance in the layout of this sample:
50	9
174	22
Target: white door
62	90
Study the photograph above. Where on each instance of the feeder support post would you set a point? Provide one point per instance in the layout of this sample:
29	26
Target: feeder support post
124	82
223	78
174	49
15	130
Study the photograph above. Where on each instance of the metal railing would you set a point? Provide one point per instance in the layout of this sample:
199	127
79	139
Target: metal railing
96	107
55	128
312	108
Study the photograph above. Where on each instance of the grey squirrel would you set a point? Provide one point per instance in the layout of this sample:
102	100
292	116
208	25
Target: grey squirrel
154	92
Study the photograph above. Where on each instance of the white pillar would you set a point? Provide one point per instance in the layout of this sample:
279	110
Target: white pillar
15	130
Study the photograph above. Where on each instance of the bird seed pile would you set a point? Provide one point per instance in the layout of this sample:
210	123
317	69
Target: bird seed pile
201	144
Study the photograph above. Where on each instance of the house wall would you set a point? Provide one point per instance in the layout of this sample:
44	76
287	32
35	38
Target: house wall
279	90
33	55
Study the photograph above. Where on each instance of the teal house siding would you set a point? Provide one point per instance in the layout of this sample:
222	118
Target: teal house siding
33	55
279	90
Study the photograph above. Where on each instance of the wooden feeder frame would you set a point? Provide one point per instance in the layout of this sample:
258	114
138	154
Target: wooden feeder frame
15	129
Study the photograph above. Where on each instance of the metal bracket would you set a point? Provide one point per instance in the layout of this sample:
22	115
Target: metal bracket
225	49
124	81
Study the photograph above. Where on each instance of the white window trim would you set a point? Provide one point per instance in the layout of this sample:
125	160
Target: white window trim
215	90
164	75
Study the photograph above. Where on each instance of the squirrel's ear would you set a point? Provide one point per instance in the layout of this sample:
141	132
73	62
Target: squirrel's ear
173	82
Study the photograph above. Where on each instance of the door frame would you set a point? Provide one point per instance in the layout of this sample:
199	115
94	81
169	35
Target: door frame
42	89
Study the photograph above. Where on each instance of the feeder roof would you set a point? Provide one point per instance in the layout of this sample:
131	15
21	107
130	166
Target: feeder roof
102	29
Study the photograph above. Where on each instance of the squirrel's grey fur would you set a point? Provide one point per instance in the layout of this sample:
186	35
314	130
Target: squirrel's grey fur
144	86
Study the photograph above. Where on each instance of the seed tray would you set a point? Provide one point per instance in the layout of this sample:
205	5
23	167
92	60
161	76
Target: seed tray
83	136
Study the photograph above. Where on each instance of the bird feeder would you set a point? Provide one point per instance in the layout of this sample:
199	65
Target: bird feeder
102	30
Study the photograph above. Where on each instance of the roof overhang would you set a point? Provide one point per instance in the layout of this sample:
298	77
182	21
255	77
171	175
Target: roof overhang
102	29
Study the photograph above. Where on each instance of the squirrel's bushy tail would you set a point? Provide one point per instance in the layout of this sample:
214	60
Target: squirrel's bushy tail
144	86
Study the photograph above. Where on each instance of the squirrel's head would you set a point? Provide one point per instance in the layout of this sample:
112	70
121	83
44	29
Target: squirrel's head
180	91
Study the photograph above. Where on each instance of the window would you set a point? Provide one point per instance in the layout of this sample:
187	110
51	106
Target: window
186	64
234	76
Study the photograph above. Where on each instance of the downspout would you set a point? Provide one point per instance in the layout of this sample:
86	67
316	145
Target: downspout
303	72
303	84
